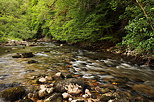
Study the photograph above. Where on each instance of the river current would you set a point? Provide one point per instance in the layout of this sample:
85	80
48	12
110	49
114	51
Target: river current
87	64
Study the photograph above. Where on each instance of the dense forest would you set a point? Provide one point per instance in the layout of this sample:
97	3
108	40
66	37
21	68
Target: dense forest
126	23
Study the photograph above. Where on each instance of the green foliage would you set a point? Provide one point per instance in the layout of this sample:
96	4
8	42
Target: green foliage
81	20
13	23
140	35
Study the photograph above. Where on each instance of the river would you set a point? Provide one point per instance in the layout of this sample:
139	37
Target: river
100	66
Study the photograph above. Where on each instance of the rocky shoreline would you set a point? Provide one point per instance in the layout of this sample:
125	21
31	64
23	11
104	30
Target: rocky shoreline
58	88
64	87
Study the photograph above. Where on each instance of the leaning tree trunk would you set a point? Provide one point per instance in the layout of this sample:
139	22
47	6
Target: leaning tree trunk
145	14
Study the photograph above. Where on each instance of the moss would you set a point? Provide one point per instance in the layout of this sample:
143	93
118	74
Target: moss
12	94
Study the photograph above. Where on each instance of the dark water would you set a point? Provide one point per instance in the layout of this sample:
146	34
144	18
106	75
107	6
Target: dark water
91	65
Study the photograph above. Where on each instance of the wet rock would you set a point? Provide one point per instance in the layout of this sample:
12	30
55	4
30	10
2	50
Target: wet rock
73	89
45	91
87	92
2	77
12	94
43	86
42	80
60	86
28	71
55	97
70	99
58	75
42	93
16	55
85	96
32	61
50	90
23	55
49	78
66	95
27	55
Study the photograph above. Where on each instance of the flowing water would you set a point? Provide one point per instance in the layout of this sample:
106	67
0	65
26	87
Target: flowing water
99	66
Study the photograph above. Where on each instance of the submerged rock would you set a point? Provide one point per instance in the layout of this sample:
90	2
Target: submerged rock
32	61
23	55
13	94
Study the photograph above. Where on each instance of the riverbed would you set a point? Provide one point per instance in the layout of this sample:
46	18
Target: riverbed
105	69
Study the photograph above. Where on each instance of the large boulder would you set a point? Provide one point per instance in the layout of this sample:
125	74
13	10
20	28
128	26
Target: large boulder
64	85
13	94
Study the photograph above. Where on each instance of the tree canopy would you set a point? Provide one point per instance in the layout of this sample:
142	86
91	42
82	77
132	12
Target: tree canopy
128	23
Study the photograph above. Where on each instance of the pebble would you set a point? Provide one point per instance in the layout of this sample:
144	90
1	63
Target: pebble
58	74
42	93
50	90
85	96
49	78
87	92
66	95
42	80
43	86
70	99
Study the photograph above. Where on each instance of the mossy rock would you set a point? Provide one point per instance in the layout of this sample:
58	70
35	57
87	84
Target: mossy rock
12	94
